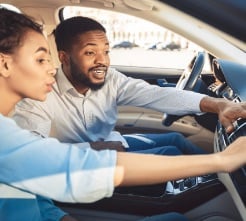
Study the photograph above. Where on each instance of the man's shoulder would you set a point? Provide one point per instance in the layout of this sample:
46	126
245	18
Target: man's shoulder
114	74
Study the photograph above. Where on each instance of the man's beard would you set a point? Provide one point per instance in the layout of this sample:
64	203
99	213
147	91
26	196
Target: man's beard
81	79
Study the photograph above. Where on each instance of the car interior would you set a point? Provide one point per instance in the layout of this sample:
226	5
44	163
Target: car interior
221	196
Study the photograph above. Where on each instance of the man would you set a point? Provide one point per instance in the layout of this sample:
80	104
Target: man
83	105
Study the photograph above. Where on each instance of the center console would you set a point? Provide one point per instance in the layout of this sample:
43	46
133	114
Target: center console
182	185
235	182
179	195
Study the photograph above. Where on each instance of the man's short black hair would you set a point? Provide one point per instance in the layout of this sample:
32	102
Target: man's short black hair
67	31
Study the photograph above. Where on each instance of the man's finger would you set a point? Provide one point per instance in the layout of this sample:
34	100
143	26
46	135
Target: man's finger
231	127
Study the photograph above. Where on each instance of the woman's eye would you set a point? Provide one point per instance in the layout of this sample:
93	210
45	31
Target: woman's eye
42	60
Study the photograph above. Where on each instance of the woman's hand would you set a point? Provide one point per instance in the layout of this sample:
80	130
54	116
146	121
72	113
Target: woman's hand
234	156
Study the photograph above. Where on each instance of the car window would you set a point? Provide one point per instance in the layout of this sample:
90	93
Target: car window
137	42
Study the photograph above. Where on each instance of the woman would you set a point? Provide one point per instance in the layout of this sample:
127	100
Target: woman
76	174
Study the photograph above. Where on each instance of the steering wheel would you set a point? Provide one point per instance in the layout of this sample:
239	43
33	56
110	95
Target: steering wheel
187	81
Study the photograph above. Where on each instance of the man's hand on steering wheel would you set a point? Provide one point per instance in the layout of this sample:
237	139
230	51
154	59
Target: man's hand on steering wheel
228	111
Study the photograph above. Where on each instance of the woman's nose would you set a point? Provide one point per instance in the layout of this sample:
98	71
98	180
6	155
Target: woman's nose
52	72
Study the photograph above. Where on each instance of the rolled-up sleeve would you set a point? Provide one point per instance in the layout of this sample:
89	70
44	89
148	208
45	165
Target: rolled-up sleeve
63	172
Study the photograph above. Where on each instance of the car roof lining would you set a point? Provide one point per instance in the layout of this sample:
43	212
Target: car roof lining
225	19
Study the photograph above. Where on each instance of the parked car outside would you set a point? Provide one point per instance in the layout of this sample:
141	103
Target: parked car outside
125	44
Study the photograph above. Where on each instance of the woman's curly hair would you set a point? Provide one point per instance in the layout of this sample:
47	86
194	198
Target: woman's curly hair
13	26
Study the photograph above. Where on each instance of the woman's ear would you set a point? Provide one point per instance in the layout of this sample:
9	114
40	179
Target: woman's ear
4	65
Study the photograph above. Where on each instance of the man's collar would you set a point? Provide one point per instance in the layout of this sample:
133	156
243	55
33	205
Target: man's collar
64	85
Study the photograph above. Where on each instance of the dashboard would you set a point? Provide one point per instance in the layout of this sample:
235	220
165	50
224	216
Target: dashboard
235	182
232	80
231	86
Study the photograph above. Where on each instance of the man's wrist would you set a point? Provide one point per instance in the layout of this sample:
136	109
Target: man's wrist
212	105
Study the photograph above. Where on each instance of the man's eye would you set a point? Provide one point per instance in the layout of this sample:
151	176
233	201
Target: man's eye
107	52
89	53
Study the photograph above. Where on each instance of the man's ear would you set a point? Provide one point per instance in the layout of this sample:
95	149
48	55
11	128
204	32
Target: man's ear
63	57
4	65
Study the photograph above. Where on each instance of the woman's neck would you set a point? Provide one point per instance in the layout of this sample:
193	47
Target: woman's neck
7	102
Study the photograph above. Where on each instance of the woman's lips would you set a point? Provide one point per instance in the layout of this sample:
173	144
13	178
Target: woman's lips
49	86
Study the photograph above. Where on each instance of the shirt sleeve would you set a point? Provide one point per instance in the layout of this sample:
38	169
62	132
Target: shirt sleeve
44	166
170	100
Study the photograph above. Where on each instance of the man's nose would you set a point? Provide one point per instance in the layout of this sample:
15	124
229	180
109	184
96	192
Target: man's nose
101	59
